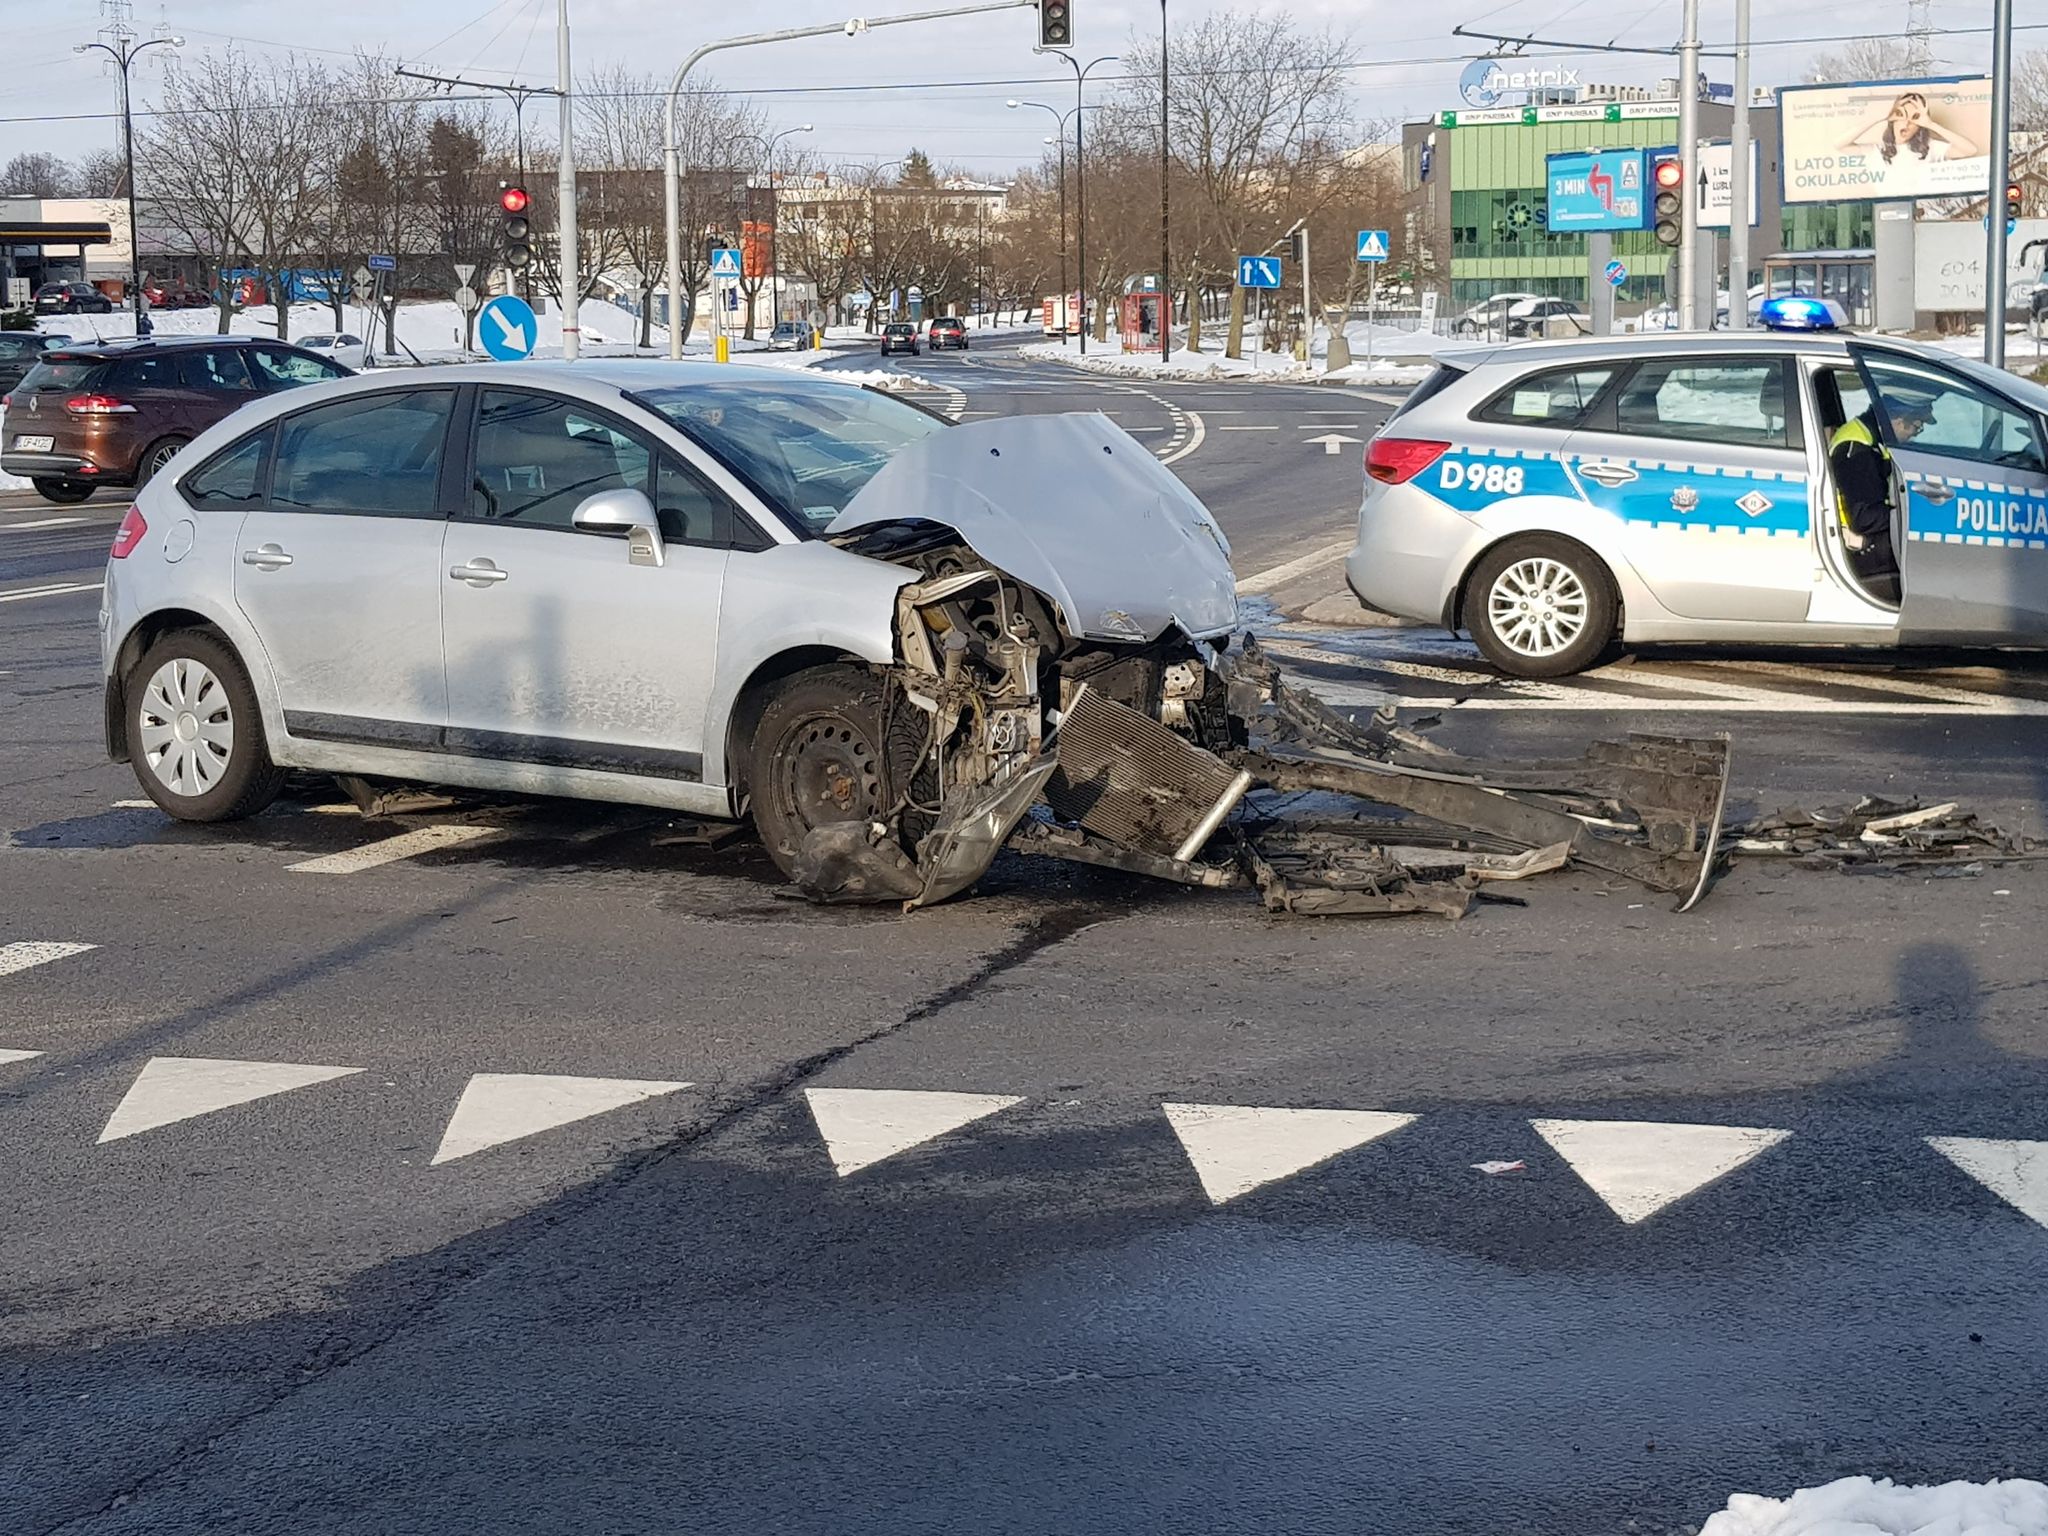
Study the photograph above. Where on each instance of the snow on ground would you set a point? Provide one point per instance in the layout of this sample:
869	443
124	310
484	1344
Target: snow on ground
1859	1506
1396	358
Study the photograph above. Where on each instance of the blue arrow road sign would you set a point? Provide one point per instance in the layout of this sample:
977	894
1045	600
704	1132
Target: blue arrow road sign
383	263
1258	271
1616	274
507	328
725	262
1372	245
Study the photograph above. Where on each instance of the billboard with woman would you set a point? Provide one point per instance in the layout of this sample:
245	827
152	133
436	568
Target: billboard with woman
1885	139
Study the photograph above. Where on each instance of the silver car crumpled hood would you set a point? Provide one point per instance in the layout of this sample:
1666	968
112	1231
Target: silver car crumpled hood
1073	506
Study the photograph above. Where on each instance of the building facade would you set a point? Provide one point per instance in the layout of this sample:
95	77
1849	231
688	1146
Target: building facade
1476	194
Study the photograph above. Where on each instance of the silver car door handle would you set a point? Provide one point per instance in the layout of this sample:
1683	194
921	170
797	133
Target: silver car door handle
266	557
1935	491
478	573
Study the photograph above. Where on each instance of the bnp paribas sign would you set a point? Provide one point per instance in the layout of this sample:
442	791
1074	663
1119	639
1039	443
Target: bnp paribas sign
1484	81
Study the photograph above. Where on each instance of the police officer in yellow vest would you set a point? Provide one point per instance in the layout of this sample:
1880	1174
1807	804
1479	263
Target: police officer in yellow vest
1862	470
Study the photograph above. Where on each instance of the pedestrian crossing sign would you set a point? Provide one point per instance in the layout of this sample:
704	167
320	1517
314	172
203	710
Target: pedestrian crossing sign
1372	245
725	262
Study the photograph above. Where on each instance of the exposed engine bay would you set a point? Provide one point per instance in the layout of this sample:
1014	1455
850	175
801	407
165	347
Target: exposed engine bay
1147	756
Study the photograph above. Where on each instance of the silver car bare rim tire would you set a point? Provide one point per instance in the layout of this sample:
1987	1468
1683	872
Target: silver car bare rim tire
195	733
1538	607
186	727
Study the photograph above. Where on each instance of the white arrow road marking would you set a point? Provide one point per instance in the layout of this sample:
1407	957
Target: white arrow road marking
1235	1148
388	850
19	957
1333	442
498	1107
173	1088
861	1126
1640	1166
9	1058
2015	1171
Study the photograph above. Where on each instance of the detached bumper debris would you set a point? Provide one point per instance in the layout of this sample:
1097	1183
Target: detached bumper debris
1882	837
1130	794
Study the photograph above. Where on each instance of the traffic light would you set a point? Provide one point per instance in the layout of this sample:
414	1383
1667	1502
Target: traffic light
1055	24
2015	199
515	202
1667	207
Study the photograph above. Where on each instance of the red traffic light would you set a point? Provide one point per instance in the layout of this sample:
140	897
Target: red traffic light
514	200
1669	173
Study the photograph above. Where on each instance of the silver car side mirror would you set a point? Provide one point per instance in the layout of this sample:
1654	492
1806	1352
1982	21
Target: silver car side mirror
624	511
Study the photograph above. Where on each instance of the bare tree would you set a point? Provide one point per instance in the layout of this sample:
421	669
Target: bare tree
102	173
822	219
1867	58
1259	124
461	212
39	175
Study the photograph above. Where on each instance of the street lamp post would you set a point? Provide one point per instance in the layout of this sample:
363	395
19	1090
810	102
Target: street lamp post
124	50
1080	178
1165	253
1061	136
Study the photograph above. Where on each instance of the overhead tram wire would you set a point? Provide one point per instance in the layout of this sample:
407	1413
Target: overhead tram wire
928	86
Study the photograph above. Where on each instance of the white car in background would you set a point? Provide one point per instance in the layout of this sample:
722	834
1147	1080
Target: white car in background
1489	317
346	349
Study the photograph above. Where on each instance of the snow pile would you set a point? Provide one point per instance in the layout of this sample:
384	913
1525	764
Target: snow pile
874	377
1388	345
1859	1506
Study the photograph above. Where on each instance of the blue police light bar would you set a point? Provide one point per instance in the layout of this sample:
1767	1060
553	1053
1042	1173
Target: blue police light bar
1800	312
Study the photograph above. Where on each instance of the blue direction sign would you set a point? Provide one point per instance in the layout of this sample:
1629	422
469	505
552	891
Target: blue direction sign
725	262
1615	273
1601	190
1372	245
1258	271
507	328
383	263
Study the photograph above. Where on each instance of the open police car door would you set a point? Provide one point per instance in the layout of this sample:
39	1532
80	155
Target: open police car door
1973	539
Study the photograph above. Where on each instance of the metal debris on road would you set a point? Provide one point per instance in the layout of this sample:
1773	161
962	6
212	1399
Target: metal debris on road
1878	836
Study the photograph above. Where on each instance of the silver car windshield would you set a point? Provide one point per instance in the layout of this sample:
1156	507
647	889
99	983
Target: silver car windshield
805	447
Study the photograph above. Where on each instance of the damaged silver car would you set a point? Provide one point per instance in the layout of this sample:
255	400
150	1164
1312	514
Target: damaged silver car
725	591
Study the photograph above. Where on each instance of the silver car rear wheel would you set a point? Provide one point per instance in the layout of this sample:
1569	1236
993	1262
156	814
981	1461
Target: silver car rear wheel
187	727
195	731
1541	606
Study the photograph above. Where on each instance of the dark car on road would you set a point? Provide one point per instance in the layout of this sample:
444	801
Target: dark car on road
19	352
901	337
114	414
171	293
72	299
949	331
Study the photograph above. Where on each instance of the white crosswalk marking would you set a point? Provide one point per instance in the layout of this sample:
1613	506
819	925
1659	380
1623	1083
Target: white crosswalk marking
391	849
55	589
41	522
23	955
1638	1167
1236	1148
9	1057
2015	1171
497	1107
862	1126
174	1088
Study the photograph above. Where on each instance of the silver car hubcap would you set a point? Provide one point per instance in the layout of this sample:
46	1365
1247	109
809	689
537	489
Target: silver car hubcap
187	727
1538	607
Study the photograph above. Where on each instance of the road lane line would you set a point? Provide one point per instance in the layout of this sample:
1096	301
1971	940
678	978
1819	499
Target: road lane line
391	849
1934	692
42	522
1273	428
1197	434
61	589
1266	580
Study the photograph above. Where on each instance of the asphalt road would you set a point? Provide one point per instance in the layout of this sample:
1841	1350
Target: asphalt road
551	1170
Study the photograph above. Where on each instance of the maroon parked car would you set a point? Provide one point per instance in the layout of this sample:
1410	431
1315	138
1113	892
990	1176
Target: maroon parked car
114	414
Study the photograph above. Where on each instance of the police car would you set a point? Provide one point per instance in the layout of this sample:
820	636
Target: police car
1549	498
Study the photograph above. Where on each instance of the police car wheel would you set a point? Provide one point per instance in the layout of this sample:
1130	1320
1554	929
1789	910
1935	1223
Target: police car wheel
1539	606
